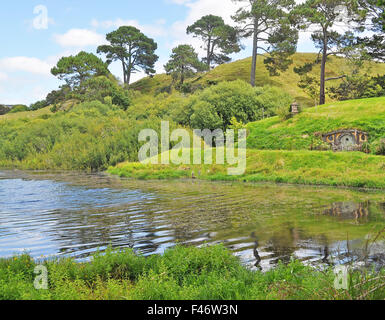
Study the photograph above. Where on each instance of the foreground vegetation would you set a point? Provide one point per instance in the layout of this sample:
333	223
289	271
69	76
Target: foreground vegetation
181	273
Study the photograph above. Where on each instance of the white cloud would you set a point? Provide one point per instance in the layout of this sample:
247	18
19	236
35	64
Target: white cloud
79	38
3	76
152	30
25	64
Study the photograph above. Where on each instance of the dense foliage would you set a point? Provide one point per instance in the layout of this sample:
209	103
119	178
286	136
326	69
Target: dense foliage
3	109
219	39
104	90
92	135
183	63
216	106
209	273
134	50
19	108
359	86
81	67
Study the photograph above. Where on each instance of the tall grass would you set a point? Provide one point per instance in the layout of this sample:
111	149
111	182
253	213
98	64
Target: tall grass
208	273
91	136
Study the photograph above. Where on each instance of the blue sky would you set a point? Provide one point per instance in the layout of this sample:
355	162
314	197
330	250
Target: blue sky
29	51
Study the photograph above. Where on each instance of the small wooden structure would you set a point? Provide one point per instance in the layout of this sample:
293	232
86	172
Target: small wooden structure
294	108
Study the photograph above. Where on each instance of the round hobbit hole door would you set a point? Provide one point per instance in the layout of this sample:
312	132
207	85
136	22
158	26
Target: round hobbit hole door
347	142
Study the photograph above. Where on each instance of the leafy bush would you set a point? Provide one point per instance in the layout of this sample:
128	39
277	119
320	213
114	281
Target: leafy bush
359	86
378	147
38	105
3	109
216	106
91	136
19	108
273	101
212	108
99	88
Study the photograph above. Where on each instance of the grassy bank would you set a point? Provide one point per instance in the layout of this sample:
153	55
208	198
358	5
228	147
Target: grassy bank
90	136
353	169
298	132
181	273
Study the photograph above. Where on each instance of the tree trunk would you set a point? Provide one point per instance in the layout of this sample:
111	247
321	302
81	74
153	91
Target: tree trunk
322	98
209	54
255	53
128	77
124	72
129	68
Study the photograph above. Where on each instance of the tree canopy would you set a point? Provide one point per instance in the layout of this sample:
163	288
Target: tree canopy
269	24
374	11
183	63
219	39
76	69
322	17
133	49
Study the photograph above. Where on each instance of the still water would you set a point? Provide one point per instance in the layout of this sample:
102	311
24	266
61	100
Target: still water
75	214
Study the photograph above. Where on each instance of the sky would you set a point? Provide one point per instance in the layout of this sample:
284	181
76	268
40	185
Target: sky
36	34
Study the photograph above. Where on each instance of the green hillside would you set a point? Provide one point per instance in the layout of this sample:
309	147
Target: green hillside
278	162
26	114
298	132
240	69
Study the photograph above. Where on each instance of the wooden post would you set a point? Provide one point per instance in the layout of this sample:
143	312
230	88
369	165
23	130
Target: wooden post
294	108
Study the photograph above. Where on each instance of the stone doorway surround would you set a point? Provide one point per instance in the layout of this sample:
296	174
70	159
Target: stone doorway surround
346	139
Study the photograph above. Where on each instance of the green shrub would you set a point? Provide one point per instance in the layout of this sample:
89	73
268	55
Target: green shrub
90	136
99	88
378	147
38	105
19	108
273	101
216	106
3	109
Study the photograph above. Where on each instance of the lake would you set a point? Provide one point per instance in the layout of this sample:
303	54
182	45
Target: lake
75	214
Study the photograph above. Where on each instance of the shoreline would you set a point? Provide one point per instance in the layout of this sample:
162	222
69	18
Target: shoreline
308	168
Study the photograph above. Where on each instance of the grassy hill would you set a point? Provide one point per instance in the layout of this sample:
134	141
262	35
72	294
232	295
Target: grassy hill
26	114
297	133
286	156
240	69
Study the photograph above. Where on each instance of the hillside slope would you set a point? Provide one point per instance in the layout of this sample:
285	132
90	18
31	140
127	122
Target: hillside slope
26	114
240	69
297	133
